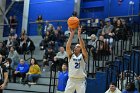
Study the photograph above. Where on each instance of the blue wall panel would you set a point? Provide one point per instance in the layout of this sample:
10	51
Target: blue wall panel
50	10
16	10
111	8
92	4
123	9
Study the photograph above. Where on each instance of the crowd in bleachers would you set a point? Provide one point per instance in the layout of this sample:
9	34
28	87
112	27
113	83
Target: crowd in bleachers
53	43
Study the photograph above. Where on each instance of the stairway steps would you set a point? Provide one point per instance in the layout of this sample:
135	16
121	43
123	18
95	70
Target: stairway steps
28	88
17	91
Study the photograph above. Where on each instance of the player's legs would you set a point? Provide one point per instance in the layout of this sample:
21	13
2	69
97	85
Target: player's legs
70	87
81	86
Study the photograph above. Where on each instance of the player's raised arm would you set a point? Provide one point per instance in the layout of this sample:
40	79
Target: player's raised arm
68	45
82	44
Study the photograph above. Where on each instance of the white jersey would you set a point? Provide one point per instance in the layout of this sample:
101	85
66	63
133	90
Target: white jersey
77	66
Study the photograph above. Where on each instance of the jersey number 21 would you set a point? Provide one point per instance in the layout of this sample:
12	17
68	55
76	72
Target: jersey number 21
77	65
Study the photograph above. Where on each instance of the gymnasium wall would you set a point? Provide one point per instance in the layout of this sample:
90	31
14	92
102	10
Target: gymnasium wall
108	8
15	10
62	10
50	10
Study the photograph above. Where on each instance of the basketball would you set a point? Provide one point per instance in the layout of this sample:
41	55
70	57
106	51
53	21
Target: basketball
73	22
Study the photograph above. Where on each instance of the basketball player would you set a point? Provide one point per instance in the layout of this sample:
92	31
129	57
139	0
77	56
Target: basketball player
77	72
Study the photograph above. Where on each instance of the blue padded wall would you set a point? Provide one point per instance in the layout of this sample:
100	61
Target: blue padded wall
50	10
16	10
108	8
123	9
97	85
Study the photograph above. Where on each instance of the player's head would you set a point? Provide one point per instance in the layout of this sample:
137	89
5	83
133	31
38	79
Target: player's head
77	49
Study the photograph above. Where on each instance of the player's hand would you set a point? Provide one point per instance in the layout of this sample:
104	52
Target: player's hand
79	31
72	31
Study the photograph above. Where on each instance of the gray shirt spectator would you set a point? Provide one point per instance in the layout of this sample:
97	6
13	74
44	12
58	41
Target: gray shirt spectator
108	27
93	40
14	56
62	54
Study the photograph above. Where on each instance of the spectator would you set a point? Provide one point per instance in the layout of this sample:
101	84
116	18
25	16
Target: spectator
62	36
8	42
101	26
3	74
60	57
129	76
7	63
62	79
47	27
107	32
44	43
107	28
102	47
15	42
114	21
130	88
61	54
40	25
34	72
26	44
21	71
14	56
48	57
92	44
127	29
56	40
3	50
51	30
13	24
119	30
113	89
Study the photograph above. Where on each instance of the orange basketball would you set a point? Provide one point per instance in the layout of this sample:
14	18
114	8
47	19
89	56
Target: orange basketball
73	22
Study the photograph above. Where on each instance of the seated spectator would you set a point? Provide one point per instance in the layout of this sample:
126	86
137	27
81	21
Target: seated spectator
119	30
48	57
92	44
107	32
8	42
129	76
10	70
14	56
47	27
113	89
62	36
130	88
56	40
107	28
60	57
3	50
44	43
15	42
127	29
21	71
102	48
34	72
101	26
26	44
114	21
62	79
